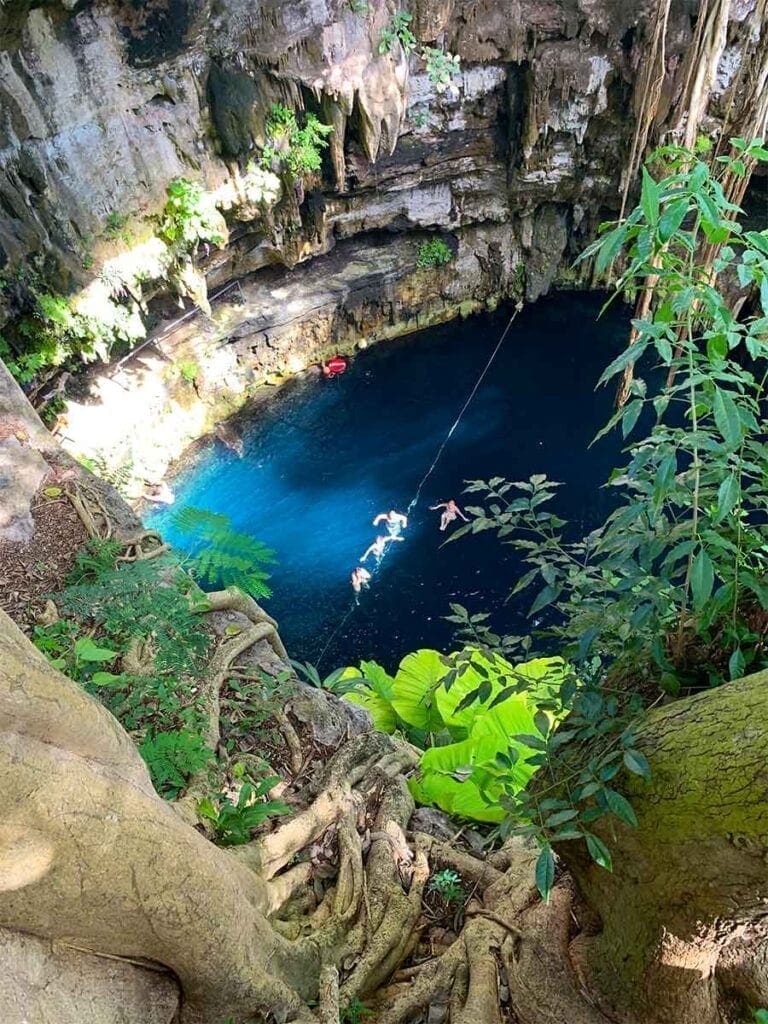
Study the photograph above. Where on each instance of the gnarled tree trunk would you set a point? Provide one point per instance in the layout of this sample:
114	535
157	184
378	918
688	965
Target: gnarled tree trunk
692	879
91	856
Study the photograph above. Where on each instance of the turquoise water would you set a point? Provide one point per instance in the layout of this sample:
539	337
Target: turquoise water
323	457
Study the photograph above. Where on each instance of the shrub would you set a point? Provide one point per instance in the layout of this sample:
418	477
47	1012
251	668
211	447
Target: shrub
232	823
464	712
293	147
434	253
173	758
189	218
398	31
442	67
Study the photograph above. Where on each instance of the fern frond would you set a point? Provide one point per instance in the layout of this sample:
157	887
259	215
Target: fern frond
220	556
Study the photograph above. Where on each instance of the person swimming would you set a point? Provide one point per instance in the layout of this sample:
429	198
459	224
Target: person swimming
395	521
379	546
451	510
360	578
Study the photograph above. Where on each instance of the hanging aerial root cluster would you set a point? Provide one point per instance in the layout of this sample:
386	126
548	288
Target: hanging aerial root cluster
137	545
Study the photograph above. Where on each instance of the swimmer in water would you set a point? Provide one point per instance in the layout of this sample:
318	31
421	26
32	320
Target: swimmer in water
451	510
395	521
360	578
379	546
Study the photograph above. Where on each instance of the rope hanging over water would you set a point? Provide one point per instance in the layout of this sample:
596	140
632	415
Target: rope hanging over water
414	501
464	408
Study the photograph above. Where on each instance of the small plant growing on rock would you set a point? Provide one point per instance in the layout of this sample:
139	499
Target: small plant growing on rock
233	823
442	67
398	31
434	253
447	885
291	146
190	217
261	186
355	1013
173	758
115	227
189	371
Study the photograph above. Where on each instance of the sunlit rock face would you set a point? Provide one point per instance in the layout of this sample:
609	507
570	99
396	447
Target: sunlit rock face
103	103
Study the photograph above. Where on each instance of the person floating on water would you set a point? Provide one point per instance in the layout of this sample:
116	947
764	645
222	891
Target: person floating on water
451	511
379	546
360	578
395	521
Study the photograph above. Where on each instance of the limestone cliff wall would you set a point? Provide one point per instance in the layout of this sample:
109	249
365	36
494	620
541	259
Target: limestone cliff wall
102	103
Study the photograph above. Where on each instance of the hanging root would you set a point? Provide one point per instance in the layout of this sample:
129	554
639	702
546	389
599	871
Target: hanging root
263	627
329	996
234	600
142	546
90	508
292	741
137	547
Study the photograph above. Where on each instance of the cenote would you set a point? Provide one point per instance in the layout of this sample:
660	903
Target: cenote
323	457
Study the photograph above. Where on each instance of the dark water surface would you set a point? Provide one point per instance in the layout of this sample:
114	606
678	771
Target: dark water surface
323	457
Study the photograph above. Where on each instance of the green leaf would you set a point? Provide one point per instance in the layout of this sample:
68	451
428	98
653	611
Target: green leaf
599	852
105	679
543	598
736	664
672	217
727	418
414	689
559	817
620	806
702	578
609	248
717	348
649	198
545	872
631	416
627	357
637	763
664	348
87	650
728	495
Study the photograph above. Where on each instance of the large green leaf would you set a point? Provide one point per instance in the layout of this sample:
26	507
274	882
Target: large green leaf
380	710
452	776
374	694
545	675
414	690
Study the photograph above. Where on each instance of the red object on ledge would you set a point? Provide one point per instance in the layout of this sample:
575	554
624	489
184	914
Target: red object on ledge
334	366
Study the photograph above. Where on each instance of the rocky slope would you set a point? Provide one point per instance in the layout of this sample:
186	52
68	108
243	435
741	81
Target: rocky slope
102	104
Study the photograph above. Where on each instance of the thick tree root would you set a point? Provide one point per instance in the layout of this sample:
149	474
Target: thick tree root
138	546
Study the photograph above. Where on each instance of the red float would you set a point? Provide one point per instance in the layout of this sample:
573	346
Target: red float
335	366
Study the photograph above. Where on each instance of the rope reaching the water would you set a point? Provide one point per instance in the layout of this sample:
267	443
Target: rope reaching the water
464	408
430	471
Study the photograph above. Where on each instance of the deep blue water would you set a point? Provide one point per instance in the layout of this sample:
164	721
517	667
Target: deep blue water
323	457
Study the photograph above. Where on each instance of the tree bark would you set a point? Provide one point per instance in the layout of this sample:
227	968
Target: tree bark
89	854
692	878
